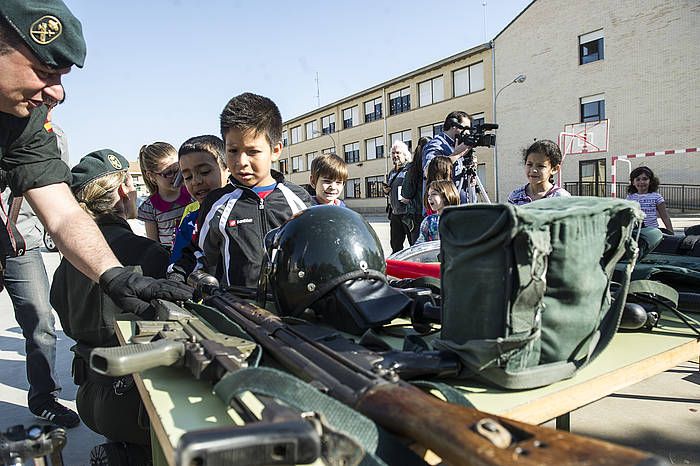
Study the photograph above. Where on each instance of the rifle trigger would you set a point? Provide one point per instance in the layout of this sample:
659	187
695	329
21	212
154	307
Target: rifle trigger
494	432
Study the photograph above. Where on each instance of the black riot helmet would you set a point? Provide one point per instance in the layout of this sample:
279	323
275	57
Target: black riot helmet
329	259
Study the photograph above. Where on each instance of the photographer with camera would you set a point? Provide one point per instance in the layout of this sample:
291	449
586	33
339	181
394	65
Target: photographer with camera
446	144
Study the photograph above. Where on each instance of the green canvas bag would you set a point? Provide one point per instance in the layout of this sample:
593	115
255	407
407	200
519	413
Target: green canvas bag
526	295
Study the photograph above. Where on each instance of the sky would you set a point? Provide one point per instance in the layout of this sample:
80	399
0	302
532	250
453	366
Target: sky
162	70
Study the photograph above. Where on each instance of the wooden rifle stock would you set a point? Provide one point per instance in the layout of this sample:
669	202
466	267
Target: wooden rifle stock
459	435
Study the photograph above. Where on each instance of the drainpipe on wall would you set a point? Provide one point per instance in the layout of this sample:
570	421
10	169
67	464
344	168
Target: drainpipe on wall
386	157
493	103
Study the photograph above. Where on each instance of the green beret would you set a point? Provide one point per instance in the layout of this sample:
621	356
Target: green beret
96	165
49	29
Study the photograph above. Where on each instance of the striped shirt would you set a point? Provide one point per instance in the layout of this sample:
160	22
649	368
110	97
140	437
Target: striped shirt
519	196
166	215
648	203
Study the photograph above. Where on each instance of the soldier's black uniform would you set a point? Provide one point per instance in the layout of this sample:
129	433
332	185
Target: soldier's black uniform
107	405
29	155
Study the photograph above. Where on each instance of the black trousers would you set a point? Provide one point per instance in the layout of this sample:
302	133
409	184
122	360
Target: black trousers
399	232
115	411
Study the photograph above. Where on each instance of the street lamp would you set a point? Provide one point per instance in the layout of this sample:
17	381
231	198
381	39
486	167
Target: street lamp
319	133
518	79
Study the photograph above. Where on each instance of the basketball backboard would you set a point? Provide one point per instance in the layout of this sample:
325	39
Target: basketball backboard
585	138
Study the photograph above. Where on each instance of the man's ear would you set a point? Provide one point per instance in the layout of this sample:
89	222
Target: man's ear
312	181
276	151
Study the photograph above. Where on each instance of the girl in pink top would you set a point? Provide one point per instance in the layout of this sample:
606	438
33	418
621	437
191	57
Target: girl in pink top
162	211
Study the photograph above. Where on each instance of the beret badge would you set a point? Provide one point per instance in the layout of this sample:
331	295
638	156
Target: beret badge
116	163
45	29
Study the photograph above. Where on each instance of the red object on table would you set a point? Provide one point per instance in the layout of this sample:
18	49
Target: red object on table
402	269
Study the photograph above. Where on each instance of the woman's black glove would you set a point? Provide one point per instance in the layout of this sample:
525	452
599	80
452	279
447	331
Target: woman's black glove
133	292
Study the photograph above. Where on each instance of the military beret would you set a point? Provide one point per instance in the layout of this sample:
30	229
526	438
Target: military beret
96	165
49	29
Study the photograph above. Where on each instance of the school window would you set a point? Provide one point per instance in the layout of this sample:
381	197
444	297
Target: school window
477	119
430	131
352	188
285	141
352	152
310	158
297	164
374	186
431	91
404	136
374	148
284	166
351	117
468	79
590	47
311	129
296	134
328	124
400	101
328	150
373	110
593	108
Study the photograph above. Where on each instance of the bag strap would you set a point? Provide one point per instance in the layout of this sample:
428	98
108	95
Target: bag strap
664	296
303	397
11	240
451	394
531	251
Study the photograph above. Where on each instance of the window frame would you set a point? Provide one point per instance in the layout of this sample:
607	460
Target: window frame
331	124
400	103
296	134
469	71
300	164
356	184
313	125
378	149
376	114
313	155
355	151
373	186
586	103
401	137
354	116
585	44
433	86
284	166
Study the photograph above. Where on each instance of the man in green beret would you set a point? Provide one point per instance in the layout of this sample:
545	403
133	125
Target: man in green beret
40	40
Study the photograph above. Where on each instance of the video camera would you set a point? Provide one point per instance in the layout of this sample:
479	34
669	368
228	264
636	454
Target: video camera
477	135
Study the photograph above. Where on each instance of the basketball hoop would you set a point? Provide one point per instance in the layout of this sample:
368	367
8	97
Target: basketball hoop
587	137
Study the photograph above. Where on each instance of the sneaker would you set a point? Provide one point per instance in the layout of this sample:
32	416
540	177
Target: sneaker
119	454
58	414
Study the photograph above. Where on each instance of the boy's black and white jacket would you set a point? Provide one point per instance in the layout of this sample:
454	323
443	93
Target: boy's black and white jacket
231	228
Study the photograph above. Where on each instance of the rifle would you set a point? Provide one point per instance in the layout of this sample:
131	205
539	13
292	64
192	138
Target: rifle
179	338
459	435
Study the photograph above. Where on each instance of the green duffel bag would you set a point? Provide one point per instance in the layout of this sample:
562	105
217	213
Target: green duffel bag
526	295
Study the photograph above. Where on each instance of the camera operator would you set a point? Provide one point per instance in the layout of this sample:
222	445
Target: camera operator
444	144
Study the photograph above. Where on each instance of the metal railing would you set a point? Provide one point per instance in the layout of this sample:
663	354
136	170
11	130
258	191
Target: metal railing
683	197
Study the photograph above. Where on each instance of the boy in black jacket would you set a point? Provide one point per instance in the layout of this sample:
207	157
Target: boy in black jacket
233	221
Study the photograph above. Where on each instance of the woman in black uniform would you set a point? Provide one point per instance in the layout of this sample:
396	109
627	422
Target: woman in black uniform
108	405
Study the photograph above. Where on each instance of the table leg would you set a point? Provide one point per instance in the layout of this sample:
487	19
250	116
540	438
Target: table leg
157	451
563	422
